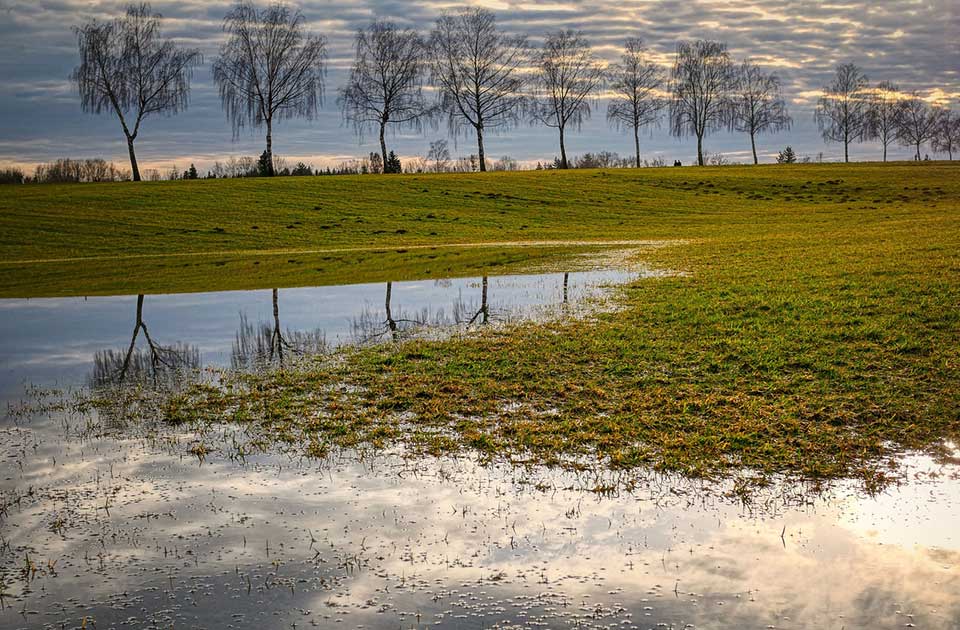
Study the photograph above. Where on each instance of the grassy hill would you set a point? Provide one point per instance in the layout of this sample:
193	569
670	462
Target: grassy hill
254	233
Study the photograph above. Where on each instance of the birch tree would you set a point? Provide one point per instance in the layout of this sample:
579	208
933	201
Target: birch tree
917	123
886	102
757	104
635	82
126	67
386	81
843	108
701	81
270	68
567	75
478	73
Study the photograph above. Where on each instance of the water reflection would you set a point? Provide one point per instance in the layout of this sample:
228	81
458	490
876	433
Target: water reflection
259	345
174	335
125	532
153	364
126	529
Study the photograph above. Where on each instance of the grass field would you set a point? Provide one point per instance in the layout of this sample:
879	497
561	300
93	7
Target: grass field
816	331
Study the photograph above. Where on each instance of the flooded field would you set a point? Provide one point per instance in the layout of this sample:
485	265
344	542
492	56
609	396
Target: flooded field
134	527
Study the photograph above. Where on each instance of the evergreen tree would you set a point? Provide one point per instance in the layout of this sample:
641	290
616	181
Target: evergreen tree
264	166
787	156
393	164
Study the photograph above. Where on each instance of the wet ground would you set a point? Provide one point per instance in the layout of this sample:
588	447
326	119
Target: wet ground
123	526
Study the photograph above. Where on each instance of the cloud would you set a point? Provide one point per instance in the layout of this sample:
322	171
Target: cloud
915	45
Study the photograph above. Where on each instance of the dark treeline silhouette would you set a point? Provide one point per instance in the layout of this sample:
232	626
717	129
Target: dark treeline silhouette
271	67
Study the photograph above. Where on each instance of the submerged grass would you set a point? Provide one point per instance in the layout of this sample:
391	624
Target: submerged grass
815	332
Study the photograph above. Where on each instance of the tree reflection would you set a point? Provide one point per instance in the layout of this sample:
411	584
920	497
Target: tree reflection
155	363
483	313
257	345
369	328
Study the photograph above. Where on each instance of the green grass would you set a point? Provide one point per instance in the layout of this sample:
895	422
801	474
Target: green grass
177	236
815	333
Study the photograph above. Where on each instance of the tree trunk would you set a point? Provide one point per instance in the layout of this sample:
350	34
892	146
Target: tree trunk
636	143
483	302
480	154
391	323
753	145
846	148
884	151
277	339
918	152
383	144
563	151
699	150
270	172
134	169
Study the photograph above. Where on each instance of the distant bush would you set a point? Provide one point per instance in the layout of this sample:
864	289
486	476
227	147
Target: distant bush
67	171
11	176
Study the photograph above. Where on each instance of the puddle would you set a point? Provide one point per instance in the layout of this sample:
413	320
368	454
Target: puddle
60	342
129	530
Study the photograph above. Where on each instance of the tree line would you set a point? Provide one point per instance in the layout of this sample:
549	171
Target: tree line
271	67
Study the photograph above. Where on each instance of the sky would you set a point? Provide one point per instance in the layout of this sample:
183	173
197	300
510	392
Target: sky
914	43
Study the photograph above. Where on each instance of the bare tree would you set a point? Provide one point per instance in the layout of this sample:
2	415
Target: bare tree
758	105
477	71
886	103
701	81
947	137
438	156
635	82
269	68
917	123
567	74
842	109
386	81
128	68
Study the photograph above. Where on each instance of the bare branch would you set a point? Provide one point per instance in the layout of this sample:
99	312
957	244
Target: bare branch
477	71
126	67
701	82
269	68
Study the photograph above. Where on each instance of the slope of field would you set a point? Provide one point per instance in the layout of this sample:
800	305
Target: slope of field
252	233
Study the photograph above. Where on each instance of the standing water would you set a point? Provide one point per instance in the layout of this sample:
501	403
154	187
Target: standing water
125	528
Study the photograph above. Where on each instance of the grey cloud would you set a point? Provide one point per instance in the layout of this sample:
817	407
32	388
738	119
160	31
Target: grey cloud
912	43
